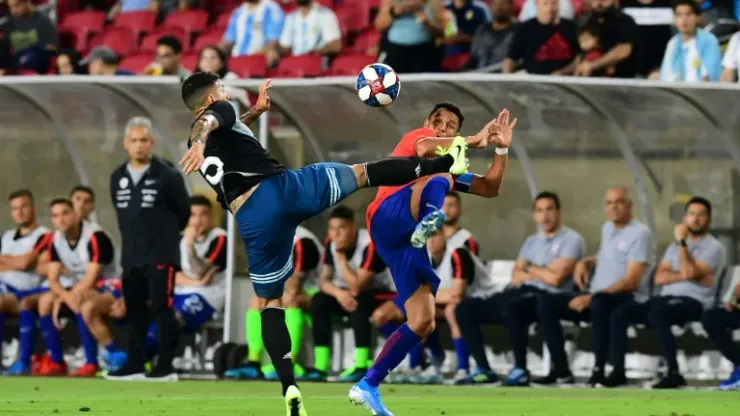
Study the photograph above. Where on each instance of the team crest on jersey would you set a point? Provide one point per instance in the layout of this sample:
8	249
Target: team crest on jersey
123	183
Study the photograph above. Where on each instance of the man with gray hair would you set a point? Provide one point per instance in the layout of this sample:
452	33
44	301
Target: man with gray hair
624	258
102	60
152	206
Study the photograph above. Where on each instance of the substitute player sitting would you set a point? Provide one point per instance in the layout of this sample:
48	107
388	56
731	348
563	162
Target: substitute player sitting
269	201
86	252
402	218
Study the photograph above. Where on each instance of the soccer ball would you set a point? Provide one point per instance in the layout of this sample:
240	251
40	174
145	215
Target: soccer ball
378	85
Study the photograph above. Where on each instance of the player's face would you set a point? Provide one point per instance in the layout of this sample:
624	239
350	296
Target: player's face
200	218
618	206
686	19
342	233
218	93
83	204
63	217
696	219
444	123
21	210
436	244
452	209
139	143
546	215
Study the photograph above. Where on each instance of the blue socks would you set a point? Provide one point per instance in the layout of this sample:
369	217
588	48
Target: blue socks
433	195
112	347
394	349
89	343
388	329
416	355
463	362
26	334
2	325
51	338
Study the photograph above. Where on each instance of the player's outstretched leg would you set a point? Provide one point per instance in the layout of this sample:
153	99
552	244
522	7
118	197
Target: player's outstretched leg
430	209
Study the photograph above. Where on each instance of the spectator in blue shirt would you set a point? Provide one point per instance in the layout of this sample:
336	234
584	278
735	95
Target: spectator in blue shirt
255	28
469	16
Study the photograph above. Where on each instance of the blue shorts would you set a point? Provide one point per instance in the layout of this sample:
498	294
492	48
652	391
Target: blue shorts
21	293
194	309
391	227
110	286
268	219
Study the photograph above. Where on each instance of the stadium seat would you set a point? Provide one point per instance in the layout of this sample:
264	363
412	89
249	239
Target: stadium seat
190	21
136	63
454	63
364	41
149	43
518	5
299	66
139	22
222	22
356	15
24	72
249	66
221	6
350	64
210	38
120	39
77	28
189	61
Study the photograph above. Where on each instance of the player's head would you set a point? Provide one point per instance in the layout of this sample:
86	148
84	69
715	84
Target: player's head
201	214
452	208
437	243
686	16
342	227
21	207
546	211
83	201
445	119
201	89
138	139
63	216
618	205
698	215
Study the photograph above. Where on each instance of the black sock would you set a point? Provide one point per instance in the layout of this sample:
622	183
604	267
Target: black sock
168	335
402	170
277	343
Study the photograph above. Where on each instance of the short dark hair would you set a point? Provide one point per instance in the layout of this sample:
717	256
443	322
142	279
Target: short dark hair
342	212
454	194
452	108
590	26
200	200
701	201
547	195
689	3
171	41
195	87
83	188
60	201
21	193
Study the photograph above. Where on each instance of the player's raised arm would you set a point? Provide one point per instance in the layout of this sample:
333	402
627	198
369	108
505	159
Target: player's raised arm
260	106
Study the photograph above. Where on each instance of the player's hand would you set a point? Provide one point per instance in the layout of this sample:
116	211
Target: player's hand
584	69
680	232
118	309
189	235
193	159
207	280
502	131
348	303
580	303
55	312
340	255
580	275
731	306
263	100
73	299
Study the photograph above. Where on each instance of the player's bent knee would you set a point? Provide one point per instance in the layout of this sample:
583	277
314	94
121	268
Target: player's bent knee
87	310
450	314
422	325
46	303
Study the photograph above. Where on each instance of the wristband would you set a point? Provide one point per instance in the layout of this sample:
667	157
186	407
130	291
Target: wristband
462	182
502	150
682	243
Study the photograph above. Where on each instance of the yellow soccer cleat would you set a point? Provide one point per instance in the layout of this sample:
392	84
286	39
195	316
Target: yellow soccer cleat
294	402
458	150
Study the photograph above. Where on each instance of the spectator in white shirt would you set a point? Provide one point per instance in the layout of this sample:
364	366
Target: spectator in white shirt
312	28
254	28
731	60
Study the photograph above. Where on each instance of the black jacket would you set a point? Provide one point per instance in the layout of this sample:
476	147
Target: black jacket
150	214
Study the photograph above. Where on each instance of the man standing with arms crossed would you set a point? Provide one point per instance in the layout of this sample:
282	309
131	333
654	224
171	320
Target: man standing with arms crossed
152	205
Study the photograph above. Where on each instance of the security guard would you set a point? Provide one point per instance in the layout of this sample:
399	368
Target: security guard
153	206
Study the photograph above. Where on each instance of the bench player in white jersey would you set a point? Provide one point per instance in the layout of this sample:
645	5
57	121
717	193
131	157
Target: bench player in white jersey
455	234
20	250
299	288
85	252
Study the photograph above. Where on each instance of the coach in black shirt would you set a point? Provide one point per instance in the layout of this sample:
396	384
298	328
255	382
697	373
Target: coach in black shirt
153	207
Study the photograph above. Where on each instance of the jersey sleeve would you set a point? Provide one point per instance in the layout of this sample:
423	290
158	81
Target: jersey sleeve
472	245
305	255
328	258
371	260
53	255
100	248
216	254
43	243
462	265
407	145
225	113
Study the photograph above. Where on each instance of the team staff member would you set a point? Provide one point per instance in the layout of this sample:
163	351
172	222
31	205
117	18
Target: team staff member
152	206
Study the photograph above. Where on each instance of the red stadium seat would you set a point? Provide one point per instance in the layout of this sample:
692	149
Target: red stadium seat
365	40
518	4
120	39
249	66
454	63
149	43
136	63
26	72
221	6
302	66
222	22
356	15
190	21
350	64
210	38
189	61
139	22
77	28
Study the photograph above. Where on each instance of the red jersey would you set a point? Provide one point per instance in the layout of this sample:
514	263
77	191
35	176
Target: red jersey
406	147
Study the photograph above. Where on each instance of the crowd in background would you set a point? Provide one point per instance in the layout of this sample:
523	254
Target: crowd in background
658	39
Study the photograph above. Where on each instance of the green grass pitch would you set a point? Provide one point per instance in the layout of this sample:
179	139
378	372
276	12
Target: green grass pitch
67	396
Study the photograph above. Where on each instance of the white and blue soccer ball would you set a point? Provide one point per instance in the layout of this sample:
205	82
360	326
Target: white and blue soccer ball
378	85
